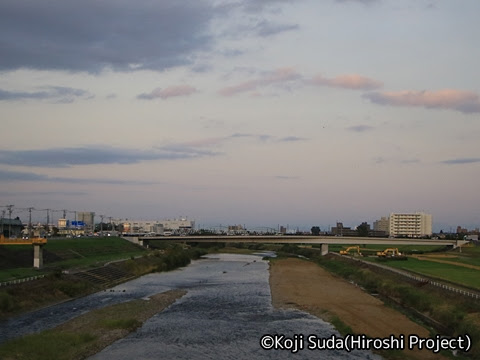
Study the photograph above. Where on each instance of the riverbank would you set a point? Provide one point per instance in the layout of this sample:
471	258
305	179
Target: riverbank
60	286
304	285
89	333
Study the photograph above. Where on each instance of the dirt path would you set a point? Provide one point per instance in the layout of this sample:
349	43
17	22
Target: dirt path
306	286
438	260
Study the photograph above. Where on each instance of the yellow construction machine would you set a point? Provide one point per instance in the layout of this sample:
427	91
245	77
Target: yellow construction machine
347	251
391	253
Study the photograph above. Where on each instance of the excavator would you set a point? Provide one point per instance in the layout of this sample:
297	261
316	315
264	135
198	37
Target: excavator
392	253
347	251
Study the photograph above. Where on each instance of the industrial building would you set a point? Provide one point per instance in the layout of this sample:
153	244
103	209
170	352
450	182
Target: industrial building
88	218
159	227
11	227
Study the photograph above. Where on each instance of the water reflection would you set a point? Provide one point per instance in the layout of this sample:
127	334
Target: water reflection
225	313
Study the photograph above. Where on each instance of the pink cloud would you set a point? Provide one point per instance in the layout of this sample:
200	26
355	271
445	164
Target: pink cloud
348	81
243	87
171	91
463	101
279	76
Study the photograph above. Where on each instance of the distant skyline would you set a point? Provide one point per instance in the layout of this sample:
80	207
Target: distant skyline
242	112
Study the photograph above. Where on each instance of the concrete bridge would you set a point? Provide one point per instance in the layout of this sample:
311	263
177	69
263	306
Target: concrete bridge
324	241
37	243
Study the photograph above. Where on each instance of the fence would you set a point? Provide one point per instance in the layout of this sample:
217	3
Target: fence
19	281
475	296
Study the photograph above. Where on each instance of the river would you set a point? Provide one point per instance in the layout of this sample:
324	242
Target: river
225	313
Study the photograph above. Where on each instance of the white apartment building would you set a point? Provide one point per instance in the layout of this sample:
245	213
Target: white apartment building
417	224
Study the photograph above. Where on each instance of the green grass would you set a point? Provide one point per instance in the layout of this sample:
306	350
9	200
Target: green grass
402	248
46	346
341	327
88	333
92	260
72	253
127	324
19	273
456	274
88	245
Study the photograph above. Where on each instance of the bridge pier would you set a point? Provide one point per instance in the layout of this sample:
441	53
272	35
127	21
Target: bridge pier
142	242
37	256
324	249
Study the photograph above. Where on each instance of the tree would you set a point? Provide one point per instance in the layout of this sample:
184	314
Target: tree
363	229
315	230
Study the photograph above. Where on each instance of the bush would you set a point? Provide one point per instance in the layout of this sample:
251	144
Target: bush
7	302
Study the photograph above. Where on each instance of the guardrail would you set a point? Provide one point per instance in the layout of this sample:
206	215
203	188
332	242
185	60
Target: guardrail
19	281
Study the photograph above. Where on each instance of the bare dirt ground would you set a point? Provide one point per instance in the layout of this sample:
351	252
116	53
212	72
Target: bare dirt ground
303	285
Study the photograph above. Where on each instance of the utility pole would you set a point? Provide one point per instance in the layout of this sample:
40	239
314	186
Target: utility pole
3	215
47	225
101	224
30	232
48	220
9	207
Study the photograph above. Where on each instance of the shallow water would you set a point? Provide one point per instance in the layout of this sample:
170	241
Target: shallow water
224	315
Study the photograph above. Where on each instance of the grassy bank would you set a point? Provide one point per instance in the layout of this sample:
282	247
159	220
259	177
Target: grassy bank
17	261
58	286
450	272
87	334
460	266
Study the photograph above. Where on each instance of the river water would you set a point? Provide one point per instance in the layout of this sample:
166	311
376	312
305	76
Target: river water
224	314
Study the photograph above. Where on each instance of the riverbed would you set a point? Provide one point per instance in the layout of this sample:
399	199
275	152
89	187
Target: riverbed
225	313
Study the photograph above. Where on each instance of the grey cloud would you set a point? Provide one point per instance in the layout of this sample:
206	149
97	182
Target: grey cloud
6	175
379	160
461	161
254	6
42	193
265	28
360	128
9	176
291	139
92	35
410	161
55	93
180	151
261	137
67	157
358	1
171	91
282	177
240	135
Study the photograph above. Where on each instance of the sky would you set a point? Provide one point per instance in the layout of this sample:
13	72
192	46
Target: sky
261	113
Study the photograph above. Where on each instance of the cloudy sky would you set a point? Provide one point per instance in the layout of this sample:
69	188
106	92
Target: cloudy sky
251	112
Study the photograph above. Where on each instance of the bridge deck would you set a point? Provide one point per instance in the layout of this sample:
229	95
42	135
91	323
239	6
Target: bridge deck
308	240
31	241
